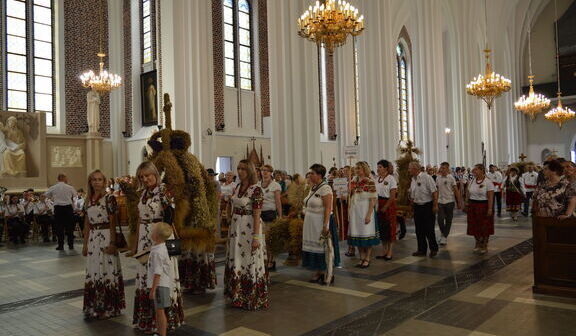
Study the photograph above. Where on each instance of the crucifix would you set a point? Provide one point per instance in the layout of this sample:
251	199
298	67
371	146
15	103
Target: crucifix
409	148
522	157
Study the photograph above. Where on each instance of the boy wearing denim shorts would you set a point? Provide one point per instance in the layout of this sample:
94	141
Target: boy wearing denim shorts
160	274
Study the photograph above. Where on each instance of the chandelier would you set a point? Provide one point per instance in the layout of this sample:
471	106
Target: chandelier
534	103
491	85
104	81
329	23
559	114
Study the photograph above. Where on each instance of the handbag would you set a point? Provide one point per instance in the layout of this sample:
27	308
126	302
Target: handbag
269	215
121	242
174	246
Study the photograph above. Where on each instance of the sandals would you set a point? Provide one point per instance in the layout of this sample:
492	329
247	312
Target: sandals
365	264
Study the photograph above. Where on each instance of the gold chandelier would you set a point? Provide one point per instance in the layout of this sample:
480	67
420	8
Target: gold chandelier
491	85
534	103
329	23
560	115
104	81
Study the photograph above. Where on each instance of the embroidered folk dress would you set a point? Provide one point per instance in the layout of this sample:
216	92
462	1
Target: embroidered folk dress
151	210
361	234
197	270
313	249
245	275
103	285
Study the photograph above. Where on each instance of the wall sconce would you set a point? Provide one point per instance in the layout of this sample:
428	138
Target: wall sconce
209	131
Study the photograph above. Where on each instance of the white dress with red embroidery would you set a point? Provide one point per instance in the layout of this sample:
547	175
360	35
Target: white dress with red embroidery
245	275
150	210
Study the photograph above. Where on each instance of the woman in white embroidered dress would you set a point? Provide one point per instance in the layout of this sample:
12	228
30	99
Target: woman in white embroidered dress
156	205
363	231
319	229
245	275
103	286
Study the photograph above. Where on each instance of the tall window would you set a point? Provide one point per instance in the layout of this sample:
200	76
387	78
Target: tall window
238	49
356	91
323	90
146	31
29	56
406	120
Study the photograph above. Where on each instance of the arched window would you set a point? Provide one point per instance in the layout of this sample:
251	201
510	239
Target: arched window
28	59
405	117
238	51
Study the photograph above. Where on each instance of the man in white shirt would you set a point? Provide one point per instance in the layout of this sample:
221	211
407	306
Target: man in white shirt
63	196
496	177
528	181
448	197
424	197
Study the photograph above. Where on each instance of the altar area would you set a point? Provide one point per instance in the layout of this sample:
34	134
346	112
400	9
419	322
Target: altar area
31	158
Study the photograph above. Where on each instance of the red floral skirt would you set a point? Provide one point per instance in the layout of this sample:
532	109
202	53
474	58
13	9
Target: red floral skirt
197	271
387	220
479	224
513	201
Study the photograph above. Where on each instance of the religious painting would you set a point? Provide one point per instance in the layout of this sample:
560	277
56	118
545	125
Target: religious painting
66	157
149	97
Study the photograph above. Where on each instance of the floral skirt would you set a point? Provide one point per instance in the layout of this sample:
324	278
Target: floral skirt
246	278
479	225
513	201
197	270
103	286
387	221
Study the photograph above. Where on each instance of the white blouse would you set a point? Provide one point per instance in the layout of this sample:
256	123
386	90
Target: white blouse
268	192
384	186
313	203
479	191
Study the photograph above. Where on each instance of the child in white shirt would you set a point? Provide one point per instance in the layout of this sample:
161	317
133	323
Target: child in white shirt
160	274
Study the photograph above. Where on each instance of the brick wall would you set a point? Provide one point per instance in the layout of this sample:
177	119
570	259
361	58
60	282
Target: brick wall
127	78
331	97
81	35
263	55
218	63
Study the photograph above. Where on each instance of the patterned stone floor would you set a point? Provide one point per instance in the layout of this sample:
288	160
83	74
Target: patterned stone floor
456	293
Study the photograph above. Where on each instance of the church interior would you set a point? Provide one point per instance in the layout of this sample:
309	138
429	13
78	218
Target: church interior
213	100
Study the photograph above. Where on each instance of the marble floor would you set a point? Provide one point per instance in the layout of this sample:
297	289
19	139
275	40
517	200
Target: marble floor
456	293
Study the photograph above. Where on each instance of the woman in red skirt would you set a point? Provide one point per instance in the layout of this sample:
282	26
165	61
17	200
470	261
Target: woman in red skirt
386	187
513	192
479	209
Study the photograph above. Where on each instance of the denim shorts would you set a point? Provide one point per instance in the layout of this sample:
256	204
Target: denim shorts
162	299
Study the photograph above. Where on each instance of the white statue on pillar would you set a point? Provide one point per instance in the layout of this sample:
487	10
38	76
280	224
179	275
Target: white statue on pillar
93	112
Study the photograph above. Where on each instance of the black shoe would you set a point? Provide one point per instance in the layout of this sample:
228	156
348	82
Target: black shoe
273	267
419	254
60	248
326	283
402	235
433	254
319	279
387	258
